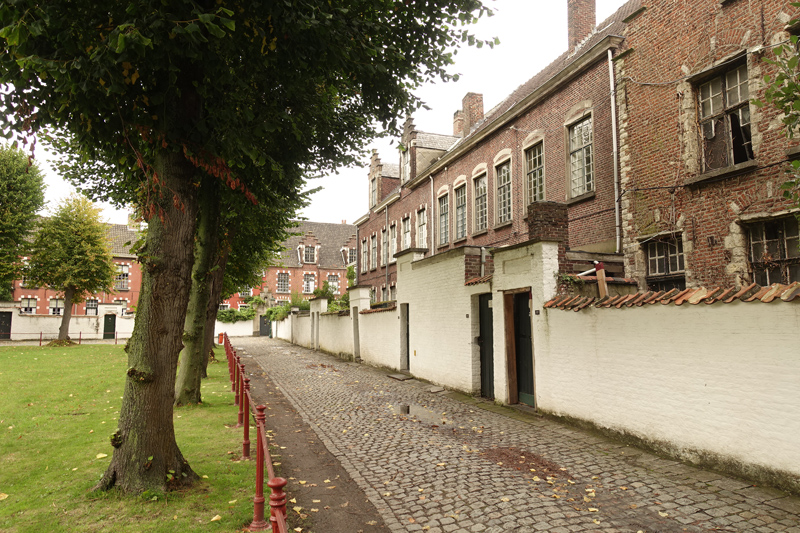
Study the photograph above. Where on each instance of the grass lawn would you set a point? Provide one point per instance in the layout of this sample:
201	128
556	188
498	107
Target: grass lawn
58	407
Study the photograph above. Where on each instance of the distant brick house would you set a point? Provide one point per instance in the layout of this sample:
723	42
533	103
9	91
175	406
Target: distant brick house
318	252
127	283
551	140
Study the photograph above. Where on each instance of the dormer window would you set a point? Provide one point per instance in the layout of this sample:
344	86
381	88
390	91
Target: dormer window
309	254
373	192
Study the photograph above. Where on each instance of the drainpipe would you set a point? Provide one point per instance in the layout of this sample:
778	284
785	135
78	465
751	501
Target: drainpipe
483	261
389	235
617	218
433	220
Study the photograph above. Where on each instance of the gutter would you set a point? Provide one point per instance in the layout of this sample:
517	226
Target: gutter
543	91
615	152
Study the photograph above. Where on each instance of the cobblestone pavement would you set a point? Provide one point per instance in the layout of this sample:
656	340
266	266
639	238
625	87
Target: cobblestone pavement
451	465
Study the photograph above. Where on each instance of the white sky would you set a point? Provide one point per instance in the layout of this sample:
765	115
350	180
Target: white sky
532	34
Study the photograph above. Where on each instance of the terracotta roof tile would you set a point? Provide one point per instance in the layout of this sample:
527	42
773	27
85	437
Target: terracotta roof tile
477	281
694	296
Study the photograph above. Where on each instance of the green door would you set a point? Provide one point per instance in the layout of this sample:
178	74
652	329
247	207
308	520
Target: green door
109	326
5	325
486	344
523	347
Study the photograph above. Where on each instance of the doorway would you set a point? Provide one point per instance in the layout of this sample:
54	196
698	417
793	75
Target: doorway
405	337
265	326
486	345
523	347
109	326
5	325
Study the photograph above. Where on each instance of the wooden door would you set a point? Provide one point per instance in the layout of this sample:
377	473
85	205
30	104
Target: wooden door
486	344
524	347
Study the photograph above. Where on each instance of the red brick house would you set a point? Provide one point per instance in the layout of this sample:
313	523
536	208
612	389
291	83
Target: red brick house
45	301
551	140
701	164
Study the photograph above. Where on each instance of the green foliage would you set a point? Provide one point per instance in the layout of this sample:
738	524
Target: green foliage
71	251
325	292
236	315
783	92
297	300
21	196
351	276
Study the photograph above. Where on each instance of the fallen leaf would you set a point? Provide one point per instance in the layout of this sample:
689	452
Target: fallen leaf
297	509
205	476
596	521
592	510
175	517
387	493
293	500
623	488
331	487
302	482
411	520
536	478
661	513
440	464
316	501
314	510
505	500
345	504
327	481
216	518
232	502
3	496
298	529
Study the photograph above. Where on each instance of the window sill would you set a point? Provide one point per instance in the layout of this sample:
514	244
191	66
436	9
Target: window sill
503	225
459	241
581	198
481	232
793	153
722	173
443	246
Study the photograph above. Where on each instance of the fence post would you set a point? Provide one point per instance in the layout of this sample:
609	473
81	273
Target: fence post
259	524
235	377
240	395
229	357
40	337
80	337
246	402
277	501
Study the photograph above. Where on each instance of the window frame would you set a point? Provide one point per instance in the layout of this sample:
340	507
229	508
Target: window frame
364	255
534	174
667	254
309	251
392	242
122	278
580	154
373	252
504	202
422	228
94	307
481	203
28	309
333	283
56	311
279	279
406	232
373	192
444	219
384	247
787	266
309	282
461	212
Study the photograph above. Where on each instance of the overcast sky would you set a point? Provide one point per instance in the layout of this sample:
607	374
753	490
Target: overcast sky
531	33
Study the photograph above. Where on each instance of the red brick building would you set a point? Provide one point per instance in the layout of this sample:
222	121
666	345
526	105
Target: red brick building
128	282
701	164
551	140
318	252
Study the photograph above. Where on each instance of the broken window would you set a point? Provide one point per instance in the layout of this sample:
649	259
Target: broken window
774	252
581	158
725	120
665	264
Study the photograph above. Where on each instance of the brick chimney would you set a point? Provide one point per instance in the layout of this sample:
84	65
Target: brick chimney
472	109
581	20
458	123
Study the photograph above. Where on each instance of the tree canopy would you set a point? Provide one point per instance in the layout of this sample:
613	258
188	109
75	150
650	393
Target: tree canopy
21	196
71	254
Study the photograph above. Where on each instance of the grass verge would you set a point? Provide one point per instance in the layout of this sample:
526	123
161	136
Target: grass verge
58	407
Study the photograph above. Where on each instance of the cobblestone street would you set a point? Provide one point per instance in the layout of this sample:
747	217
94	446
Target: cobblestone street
441	462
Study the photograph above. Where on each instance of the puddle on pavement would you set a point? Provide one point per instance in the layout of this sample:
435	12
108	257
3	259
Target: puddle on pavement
423	414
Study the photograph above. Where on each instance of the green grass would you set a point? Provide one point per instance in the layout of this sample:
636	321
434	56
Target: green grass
58	407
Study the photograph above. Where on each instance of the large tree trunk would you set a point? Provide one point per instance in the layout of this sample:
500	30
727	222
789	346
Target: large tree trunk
217	274
190	373
63	329
146	456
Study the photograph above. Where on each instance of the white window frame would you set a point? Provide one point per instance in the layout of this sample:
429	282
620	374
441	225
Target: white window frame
581	156
480	186
122	279
534	172
406	233
373	252
309	251
364	255
422	228
503	198
283	276
461	212
28	309
90	307
309	283
373	192
393	241
443	203
384	247
223	307
58	311
333	282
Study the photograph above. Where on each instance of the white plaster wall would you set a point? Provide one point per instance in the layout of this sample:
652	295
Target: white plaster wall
723	378
282	329
29	327
234	329
302	330
380	338
336	334
441	328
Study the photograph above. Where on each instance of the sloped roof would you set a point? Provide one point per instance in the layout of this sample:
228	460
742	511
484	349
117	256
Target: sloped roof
391	170
332	238
122	238
436	141
751	293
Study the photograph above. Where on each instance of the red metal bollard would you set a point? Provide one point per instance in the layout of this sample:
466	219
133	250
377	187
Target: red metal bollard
240	395
277	501
40	338
80	336
235	377
229	357
259	524
246	409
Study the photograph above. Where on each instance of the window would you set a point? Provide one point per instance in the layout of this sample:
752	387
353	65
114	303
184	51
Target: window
374	251
534	170
481	216
725	120
422	228
283	282
56	306
393	293
123	308
242	306
461	212
774	254
223	307
405	160
372	294
246	292
444	221
406	233
28	306
580	158
352	255
665	264
503	173
121	279
91	307
308	283
384	248
333	282
393	245
309	254
373	192
364	256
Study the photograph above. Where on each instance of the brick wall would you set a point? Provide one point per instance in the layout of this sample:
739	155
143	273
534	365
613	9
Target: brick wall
581	20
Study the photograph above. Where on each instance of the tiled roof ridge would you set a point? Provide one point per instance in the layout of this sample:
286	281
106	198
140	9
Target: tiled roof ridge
478	280
750	293
380	310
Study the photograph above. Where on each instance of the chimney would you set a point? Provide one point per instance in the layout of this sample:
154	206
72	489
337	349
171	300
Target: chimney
472	108
458	123
580	19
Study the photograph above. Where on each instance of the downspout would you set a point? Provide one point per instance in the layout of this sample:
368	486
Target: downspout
615	156
433	220
388	259
483	261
